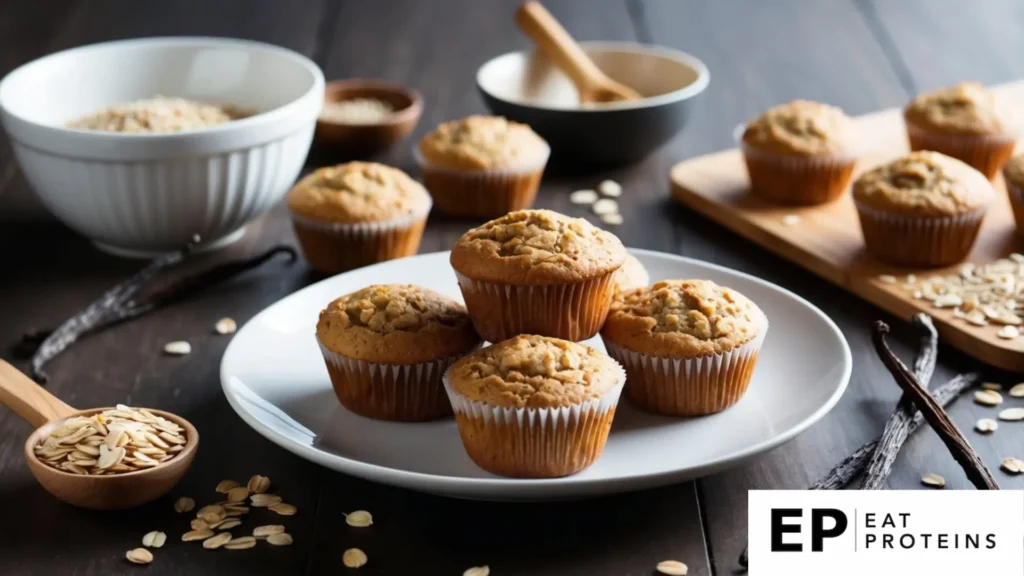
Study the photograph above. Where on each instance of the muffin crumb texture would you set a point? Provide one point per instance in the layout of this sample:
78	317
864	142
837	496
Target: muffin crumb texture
483	143
535	372
801	127
357	192
159	115
539	244
683	318
966	108
925	183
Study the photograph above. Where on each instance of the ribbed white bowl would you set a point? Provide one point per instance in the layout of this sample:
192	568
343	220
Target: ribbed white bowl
138	194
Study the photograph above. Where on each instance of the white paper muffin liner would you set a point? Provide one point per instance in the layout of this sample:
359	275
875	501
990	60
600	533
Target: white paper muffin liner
797	180
535	442
689	386
574	311
334	247
482	193
402	392
922	241
984	152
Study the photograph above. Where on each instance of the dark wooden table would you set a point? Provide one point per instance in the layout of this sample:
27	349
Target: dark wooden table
859	54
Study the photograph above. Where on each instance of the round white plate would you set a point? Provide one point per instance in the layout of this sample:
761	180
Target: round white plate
274	377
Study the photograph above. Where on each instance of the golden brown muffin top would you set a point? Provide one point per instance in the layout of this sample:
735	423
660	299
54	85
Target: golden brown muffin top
801	128
396	324
631	275
683	319
537	247
966	108
535	372
1013	171
357	192
483	143
924	183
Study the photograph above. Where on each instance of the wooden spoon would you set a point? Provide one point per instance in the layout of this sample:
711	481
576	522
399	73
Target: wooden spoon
592	84
45	412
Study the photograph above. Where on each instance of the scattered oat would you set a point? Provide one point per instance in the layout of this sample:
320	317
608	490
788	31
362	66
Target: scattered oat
225	326
1012	414
583	197
282	539
359	519
988	398
258	484
235	510
139	556
477	571
284	509
154	540
225	486
610	188
354	558
268	530
211	514
264	500
238	494
605	206
184	504
991	386
887	279
227	524
790	220
612	219
178	348
986	425
195	535
990	293
672	568
1008	332
1017	391
241	543
1013	465
933	480
214	542
199	524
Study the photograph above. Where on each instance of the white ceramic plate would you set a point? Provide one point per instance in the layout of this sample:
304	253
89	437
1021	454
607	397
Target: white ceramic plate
274	377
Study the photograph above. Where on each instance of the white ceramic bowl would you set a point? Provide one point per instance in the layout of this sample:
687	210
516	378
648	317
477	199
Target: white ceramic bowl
526	87
139	194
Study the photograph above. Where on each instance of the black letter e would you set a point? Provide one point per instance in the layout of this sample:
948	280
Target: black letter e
778	529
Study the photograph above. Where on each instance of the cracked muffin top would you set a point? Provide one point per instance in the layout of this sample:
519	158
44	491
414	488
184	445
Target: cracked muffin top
537	247
535	372
396	324
357	192
801	128
967	108
683	318
924	183
483	143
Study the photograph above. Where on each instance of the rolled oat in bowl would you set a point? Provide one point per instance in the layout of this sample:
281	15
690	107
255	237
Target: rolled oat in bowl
159	115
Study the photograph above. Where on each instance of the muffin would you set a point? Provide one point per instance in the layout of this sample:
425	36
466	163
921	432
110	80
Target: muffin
631	275
924	209
965	122
534	407
387	346
482	166
688	346
1013	174
357	214
799	153
537	272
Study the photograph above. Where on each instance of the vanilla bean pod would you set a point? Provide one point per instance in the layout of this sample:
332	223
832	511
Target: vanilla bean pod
939	420
897	429
116	305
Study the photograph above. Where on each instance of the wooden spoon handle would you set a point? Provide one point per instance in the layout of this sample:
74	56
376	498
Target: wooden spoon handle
29	400
556	43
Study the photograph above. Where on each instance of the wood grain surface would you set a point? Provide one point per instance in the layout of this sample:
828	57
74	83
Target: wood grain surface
856	54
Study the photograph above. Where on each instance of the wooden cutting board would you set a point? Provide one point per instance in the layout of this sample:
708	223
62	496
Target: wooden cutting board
827	239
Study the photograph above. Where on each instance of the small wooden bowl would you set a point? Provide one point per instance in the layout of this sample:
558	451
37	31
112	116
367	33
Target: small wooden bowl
117	491
368	139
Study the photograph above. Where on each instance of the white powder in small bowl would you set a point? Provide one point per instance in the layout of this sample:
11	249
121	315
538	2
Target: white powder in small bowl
357	111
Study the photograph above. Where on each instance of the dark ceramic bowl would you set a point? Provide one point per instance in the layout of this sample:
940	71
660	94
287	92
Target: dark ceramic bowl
525	87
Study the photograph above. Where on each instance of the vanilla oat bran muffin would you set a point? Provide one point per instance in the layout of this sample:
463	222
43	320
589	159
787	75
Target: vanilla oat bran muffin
966	122
549	405
924	209
801	152
631	275
355	214
688	346
387	346
1013	175
537	272
482	166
